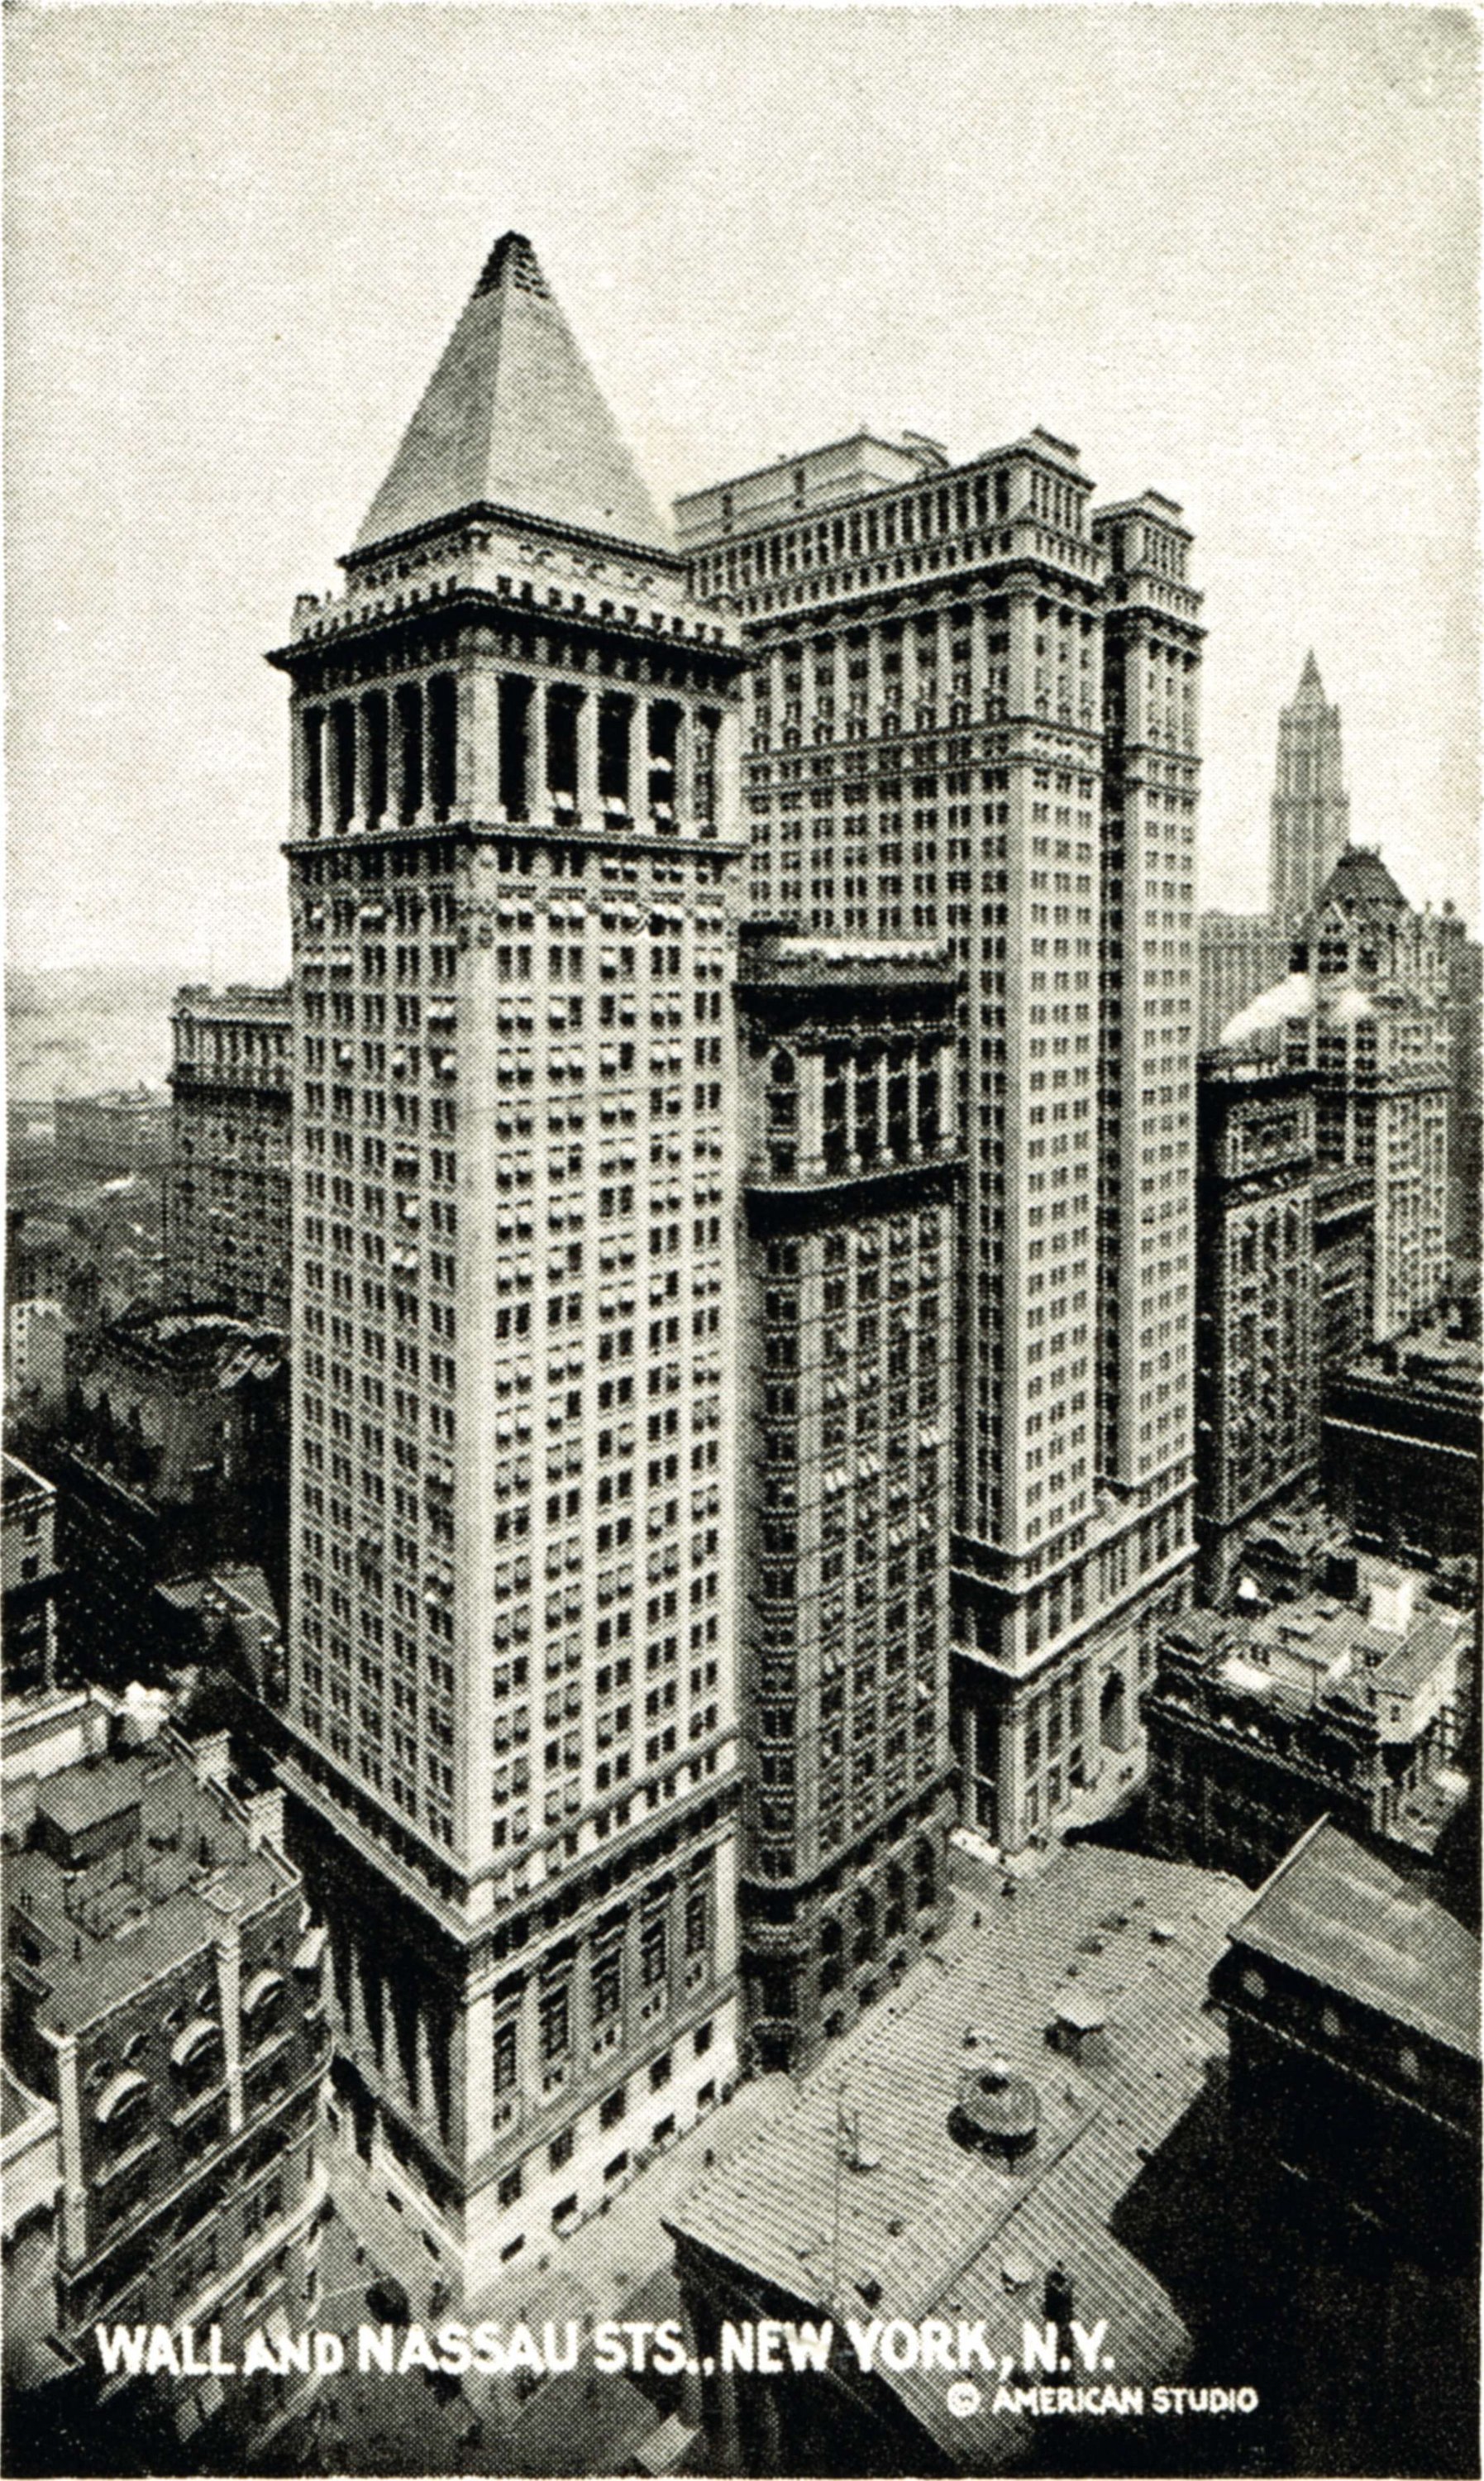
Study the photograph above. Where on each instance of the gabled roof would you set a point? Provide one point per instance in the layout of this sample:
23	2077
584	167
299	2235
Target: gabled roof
1361	884
1336	1913
512	418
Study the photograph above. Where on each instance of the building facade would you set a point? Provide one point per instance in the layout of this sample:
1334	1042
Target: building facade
848	1161
1256	1385
1465	1094
163	1995
226	1219
1311	808
1402	1439
1345	1214
971	715
509	1720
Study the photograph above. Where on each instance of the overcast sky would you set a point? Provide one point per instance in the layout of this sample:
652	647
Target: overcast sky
1230	252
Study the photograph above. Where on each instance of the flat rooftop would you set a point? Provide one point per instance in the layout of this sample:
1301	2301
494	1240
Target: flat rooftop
925	2225
91	1934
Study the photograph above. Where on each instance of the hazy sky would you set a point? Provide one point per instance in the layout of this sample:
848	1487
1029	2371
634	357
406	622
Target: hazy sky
1231	253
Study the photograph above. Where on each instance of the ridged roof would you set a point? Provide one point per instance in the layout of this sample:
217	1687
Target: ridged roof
1362	883
512	418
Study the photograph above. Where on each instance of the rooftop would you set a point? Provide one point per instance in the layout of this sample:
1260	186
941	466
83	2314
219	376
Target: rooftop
513	419
1334	1913
20	1482
90	1930
925	2224
1388	1643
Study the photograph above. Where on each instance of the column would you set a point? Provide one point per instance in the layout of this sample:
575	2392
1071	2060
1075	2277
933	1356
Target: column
69	2128
300	724
685	762
529	2061
425	2104
909	682
728	763
978	663
639	761
332	769
1022	654
581	2007
677	1944
537	795
361	815
945	665
914	1126
873	679
775	694
811	1113
852	1131
396	759
477	751
971	1713
474	2070
228	1956
589	808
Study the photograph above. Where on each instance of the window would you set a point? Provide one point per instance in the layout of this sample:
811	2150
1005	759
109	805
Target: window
555	2022
510	2186
613	2106
654	1949
562	2149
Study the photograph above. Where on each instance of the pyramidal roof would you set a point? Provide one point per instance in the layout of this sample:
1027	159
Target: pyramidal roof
1311	688
512	418
1360	881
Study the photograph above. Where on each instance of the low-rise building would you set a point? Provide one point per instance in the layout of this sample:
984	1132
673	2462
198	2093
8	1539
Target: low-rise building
163	1999
1258	1725
175	1460
967	2152
1402	1439
1352	2001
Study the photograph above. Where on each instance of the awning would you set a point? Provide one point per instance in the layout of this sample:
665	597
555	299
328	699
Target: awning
200	2028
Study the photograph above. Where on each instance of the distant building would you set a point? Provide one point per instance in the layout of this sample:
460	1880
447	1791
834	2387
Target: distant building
162	1998
1311	808
1257	1400
1238	955
36	1373
113	1133
1381	1047
1352	2002
1403	1431
28	1551
227	1236
989	2147
848	1162
1258	1726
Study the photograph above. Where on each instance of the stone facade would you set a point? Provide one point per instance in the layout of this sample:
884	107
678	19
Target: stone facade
509	1722
972	716
849	1157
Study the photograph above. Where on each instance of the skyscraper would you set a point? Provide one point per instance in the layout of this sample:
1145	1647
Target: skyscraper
972	714
1310	812
850	1162
510	1720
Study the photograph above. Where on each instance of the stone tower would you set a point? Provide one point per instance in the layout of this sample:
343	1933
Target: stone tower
1311	813
508	1721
